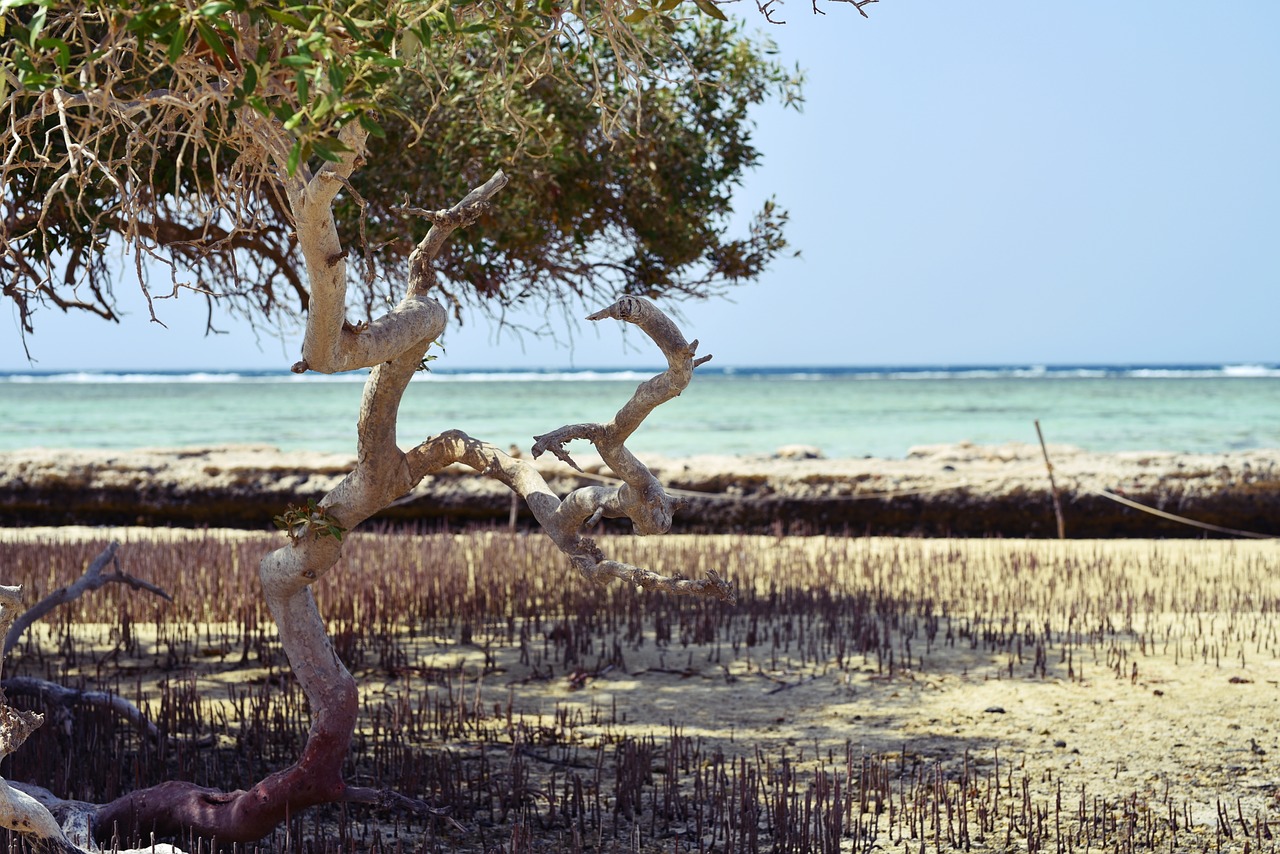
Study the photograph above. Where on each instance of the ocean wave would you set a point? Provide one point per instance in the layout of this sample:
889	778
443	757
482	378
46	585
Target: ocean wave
538	376
1247	371
1087	372
1250	371
787	374
154	378
101	377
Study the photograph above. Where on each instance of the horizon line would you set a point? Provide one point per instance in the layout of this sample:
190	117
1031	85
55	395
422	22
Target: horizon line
829	366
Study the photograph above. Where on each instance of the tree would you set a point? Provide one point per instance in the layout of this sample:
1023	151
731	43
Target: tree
625	184
230	135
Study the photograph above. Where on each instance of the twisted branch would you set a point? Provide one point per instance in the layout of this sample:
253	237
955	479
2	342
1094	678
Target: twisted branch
640	497
382	474
563	520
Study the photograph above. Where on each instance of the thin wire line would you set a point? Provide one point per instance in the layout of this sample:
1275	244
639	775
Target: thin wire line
1183	519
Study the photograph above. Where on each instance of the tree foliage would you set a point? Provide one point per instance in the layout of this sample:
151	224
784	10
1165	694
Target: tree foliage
260	144
142	123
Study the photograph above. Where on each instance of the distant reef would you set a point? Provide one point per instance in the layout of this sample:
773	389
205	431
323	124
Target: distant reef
959	490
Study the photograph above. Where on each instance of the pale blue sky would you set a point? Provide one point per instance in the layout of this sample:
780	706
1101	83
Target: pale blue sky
991	183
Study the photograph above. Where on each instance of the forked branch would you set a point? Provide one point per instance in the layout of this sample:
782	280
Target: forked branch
640	497
382	474
91	580
563	520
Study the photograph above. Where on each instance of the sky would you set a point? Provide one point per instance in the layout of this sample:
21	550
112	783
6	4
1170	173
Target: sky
1006	182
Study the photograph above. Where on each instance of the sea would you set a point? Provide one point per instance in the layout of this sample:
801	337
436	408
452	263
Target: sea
843	411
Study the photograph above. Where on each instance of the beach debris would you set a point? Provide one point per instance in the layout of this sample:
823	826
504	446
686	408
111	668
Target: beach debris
799	452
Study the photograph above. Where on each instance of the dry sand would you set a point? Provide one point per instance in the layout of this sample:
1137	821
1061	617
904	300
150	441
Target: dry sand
1161	690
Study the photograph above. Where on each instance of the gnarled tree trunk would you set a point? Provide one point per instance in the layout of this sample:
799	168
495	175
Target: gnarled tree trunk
394	346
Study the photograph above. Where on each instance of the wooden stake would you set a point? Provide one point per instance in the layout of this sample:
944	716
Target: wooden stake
1053	486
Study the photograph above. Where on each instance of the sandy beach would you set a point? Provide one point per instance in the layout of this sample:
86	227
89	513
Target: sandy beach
937	490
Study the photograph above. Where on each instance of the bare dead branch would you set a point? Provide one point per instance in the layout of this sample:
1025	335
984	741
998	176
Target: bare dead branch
713	586
642	497
443	224
15	726
857	4
51	693
389	800
19	811
91	580
24	814
382	474
564	520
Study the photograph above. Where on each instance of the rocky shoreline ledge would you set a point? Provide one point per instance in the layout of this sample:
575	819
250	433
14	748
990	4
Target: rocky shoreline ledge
939	490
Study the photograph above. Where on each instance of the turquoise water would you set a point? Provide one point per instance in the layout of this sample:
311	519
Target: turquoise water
844	411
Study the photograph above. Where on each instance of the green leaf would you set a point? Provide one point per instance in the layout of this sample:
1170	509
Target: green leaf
371	125
34	80
291	21
310	41
296	61
711	9
63	49
215	8
177	43
250	81
36	25
222	25
636	17
353	28
326	151
295	157
212	39
337	77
